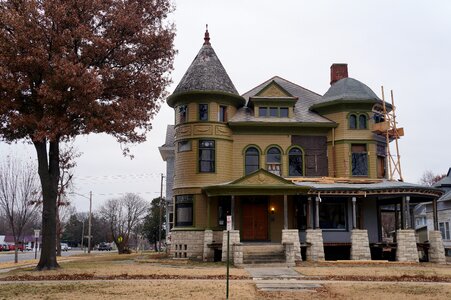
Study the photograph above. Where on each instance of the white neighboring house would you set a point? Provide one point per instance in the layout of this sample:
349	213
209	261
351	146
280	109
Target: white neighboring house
443	211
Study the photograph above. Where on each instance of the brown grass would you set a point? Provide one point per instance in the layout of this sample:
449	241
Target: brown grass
374	270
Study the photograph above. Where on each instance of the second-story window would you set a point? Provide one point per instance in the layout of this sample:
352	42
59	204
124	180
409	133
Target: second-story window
273	161
207	156
222	117
251	160
183	114
359	160
362	121
295	162
352	121
358	121
203	112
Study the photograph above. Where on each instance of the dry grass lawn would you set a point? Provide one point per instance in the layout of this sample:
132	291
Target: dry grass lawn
375	270
185	288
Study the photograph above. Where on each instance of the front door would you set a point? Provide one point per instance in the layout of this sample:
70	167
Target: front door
254	221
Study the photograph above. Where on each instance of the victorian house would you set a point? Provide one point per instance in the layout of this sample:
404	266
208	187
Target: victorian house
302	175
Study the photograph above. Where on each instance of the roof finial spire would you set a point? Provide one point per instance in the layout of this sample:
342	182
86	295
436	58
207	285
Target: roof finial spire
207	36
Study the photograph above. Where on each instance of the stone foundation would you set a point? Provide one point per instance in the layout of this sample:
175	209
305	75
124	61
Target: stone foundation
234	239
406	249
292	236
315	248
187	244
436	248
360	247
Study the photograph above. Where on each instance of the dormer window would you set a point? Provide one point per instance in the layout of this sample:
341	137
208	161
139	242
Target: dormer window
273	112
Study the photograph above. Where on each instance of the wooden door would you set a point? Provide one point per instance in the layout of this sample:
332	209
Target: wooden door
254	222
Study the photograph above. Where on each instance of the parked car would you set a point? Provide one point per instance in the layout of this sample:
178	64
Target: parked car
28	248
12	247
104	247
5	247
65	247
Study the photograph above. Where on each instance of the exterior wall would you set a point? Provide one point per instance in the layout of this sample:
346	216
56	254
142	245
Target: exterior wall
276	220
188	162
240	142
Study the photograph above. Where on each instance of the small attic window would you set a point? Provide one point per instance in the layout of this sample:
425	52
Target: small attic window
262	111
284	112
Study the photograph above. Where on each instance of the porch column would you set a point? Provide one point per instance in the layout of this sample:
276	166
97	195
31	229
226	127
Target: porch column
285	212
354	215
403	213
232	210
434	213
317	213
407	209
309	213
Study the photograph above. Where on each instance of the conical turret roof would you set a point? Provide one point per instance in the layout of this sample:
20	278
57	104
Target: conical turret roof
206	73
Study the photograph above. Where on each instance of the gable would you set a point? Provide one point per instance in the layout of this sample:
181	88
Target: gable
261	177
273	90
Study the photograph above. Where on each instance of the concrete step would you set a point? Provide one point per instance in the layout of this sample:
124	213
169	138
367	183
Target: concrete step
265	248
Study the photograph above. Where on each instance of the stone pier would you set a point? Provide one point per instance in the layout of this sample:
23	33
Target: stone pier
406	249
360	247
208	251
292	236
436	249
315	248
234	239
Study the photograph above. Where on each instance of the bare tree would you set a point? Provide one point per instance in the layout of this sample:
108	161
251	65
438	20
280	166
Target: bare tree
19	191
429	178
123	215
67	163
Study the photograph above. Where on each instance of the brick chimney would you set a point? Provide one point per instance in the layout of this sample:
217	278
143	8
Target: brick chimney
337	72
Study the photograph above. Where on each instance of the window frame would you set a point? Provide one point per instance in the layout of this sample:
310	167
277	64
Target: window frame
356	118
222	113
185	114
188	142
245	159
201	111
446	230
184	202
353	157
279	164
212	155
338	201
302	161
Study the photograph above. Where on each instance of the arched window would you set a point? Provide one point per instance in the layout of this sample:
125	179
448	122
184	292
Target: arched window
295	162
251	160
352	121
362	121
273	161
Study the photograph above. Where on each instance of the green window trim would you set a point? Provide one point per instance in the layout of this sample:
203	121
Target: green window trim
356	119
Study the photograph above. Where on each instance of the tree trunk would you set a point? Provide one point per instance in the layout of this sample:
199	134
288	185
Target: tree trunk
48	169
16	252
58	232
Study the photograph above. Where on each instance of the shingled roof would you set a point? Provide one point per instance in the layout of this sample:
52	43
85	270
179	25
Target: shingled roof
349	89
206	73
302	114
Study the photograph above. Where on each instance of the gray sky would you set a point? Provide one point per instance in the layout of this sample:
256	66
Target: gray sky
403	45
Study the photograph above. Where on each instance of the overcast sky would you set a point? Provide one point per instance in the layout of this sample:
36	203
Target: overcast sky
403	45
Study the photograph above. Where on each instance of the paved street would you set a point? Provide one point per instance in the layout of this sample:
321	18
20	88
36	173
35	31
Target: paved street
9	255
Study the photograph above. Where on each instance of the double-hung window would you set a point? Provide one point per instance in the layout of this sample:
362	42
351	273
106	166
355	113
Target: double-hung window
203	112
206	156
444	230
184	210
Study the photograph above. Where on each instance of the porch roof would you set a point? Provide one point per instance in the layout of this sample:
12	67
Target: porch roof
382	187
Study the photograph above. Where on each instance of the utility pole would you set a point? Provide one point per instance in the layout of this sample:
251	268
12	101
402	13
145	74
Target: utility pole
159	224
83	235
89	222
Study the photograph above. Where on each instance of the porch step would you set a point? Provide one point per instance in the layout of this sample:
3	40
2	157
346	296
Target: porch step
263	254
